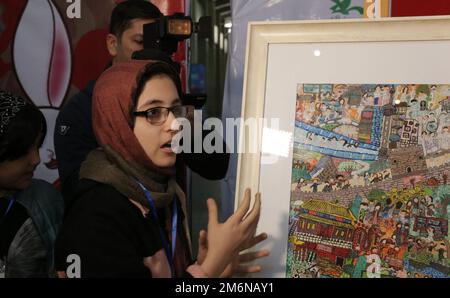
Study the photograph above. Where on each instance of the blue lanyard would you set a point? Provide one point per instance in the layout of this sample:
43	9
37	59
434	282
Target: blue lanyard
170	255
11	202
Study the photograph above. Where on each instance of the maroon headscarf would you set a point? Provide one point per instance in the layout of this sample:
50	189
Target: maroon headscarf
112	101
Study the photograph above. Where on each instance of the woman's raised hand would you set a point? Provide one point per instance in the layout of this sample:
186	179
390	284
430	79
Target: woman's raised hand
226	240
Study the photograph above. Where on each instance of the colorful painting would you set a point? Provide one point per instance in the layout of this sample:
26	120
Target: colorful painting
370	192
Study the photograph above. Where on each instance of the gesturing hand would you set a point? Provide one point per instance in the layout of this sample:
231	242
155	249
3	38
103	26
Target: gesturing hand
239	264
226	240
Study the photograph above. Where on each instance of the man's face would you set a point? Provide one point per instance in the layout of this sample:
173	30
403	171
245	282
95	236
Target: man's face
132	39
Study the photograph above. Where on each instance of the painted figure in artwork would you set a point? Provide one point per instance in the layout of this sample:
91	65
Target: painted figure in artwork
370	181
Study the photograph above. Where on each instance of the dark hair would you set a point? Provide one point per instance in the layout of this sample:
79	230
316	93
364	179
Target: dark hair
151	70
125	12
27	128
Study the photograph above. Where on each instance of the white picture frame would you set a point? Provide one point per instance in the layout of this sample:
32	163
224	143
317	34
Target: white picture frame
281	55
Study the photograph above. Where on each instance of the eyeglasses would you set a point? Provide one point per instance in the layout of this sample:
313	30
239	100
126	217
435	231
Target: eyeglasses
158	115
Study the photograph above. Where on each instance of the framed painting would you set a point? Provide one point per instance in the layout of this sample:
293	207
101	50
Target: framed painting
354	176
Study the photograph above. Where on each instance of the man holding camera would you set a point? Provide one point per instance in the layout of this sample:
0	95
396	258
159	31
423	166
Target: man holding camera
74	137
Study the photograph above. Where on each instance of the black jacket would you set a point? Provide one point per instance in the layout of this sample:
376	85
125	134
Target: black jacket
108	233
74	137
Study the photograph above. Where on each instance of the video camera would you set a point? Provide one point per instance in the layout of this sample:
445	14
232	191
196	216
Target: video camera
161	39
